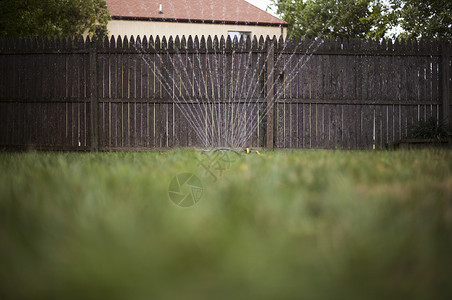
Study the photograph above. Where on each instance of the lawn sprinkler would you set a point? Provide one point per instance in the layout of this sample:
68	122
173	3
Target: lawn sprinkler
236	151
249	151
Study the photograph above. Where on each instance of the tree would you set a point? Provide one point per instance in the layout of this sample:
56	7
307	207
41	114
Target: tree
424	18
335	18
52	17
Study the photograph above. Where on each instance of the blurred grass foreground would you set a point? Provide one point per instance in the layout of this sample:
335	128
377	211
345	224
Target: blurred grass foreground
284	225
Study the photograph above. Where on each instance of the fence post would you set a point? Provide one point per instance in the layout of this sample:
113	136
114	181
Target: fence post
94	101
445	87
270	92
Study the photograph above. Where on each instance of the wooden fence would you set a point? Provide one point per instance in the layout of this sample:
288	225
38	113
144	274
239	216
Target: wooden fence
72	94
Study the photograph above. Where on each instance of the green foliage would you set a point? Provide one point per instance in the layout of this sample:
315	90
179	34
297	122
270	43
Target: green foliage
284	225
335	18
425	18
52	17
428	129
367	18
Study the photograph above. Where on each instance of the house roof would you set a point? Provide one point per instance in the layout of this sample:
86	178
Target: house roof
194	11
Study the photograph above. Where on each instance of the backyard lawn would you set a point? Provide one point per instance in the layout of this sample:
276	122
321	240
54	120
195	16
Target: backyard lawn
284	224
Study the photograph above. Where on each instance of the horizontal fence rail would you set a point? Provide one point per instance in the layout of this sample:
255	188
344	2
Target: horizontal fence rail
144	93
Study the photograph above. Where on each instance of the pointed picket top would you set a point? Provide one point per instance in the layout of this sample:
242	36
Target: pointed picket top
33	42
409	44
422	45
164	43
248	44
112	42
365	45
216	44
261	43
196	42
235	43
177	43
278	45
222	43
402	44
45	43
347	44
52	43
78	42
190	43
66	43
71	42
132	43
330	43
281	42
376	44
20	44
138	42
151	43
183	43
56	43
28	43
60	42
125	42
269	41
306	43
33	45
396	45
103	43
202	43
241	42
254	43
414	45
433	46
118	42
144	43
283	46
299	44
383	45
209	43
7	43
157	43
357	44
170	43
389	45
228	44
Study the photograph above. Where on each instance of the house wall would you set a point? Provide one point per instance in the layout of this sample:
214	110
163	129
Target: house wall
142	28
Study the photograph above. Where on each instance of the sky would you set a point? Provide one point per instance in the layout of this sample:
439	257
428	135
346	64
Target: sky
262	4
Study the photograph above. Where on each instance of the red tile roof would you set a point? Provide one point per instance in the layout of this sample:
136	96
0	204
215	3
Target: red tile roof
204	11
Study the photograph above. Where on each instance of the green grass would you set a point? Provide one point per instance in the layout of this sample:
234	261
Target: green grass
302	224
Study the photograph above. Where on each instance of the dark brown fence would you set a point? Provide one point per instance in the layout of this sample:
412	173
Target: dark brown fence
147	93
